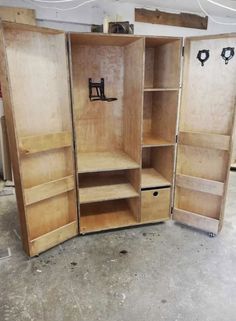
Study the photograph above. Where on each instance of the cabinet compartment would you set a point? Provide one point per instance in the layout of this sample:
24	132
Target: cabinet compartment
162	63
159	118
155	205
108	133
105	186
107	215
157	167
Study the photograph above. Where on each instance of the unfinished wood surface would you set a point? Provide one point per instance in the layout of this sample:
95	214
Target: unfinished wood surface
160	116
19	15
150	140
48	190
162	65
151	178
4	143
182	19
195	220
160	89
41	143
155	205
206	124
53	238
106	192
39	104
206	140
105	216
104	161
203	203
200	184
133	98
101	39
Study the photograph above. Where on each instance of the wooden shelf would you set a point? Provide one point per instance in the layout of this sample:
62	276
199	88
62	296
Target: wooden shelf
109	215
149	140
151	178
104	161
160	89
106	192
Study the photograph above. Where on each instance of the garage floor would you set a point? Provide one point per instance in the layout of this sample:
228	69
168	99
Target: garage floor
153	273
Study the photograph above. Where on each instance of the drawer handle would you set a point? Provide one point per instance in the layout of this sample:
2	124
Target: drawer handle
155	194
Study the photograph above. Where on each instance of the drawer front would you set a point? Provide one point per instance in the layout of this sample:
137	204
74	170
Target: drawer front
155	204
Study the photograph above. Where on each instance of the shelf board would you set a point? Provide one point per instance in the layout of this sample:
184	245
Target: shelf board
151	178
104	161
106	192
160	89
149	140
109	215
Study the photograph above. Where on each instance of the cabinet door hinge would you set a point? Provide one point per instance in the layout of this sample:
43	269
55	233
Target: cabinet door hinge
183	51
172	209
176	138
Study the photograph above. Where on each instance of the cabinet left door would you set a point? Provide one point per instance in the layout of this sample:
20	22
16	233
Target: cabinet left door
36	93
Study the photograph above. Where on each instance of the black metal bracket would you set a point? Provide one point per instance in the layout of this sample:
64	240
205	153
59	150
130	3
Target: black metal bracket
203	56
97	91
227	54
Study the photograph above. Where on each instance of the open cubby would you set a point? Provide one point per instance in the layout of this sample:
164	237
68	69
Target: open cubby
157	167
162	64
109	133
97	187
106	215
159	118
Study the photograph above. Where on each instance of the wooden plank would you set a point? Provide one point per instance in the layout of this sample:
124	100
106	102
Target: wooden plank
205	140
195	220
18	15
150	140
160	89
107	192
53	238
6	159
41	143
200	184
104	161
50	189
151	178
186	20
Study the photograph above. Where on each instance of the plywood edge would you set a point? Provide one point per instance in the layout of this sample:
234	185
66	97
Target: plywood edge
205	140
40	143
200	184
195	220
27	27
46	241
50	189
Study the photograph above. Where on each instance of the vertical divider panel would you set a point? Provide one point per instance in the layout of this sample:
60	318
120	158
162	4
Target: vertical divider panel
36	94
133	109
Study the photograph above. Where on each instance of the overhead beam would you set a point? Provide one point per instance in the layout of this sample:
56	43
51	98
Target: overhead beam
186	20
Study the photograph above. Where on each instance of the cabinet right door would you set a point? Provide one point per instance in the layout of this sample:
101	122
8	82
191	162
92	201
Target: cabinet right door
206	126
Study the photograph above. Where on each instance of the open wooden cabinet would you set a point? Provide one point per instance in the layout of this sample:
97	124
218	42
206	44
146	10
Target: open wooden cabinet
161	150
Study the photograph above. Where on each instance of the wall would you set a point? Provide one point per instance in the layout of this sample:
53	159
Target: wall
81	18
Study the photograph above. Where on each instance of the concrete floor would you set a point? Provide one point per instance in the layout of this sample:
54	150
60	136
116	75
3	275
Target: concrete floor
169	272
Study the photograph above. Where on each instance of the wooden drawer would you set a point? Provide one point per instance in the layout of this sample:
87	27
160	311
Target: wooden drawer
155	204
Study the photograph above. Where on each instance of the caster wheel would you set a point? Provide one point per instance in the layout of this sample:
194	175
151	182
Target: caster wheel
212	235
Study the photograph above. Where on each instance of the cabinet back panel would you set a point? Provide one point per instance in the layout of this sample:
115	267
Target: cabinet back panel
99	125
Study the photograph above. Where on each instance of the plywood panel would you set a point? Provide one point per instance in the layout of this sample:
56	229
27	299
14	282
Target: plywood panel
38	105
19	15
99	124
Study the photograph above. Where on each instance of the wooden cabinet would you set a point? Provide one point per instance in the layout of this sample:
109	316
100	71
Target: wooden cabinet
82	166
